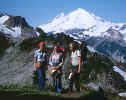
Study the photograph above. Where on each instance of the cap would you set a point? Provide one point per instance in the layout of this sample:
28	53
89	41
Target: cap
41	43
62	49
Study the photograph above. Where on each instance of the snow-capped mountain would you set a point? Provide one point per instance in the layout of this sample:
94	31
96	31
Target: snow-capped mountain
82	25
82	20
78	19
15	26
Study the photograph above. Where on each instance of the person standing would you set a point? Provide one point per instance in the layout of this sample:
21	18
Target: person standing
75	61
39	64
56	63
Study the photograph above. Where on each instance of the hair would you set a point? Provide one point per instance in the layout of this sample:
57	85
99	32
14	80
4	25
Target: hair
75	45
57	45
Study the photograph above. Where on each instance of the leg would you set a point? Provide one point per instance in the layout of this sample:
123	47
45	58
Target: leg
40	79
54	83
77	81
70	80
70	85
58	84
44	77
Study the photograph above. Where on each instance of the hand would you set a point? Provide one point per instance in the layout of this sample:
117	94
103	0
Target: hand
57	67
35	64
70	70
52	68
78	71
34	69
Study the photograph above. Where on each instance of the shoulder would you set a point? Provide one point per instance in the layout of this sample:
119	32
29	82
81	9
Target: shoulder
51	54
36	53
78	52
61	54
37	50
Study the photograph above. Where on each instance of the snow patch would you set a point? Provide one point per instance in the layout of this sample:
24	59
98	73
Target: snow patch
121	72
91	49
122	94
38	34
3	19
17	31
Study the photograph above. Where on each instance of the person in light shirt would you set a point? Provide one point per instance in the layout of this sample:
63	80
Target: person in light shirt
75	61
39	64
56	63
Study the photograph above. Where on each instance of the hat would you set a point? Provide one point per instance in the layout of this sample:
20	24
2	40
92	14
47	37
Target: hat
62	49
41	43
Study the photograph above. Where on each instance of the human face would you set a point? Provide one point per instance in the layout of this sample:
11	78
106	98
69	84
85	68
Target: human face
41	47
71	46
55	48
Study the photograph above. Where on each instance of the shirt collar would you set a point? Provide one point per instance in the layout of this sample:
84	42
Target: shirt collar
40	50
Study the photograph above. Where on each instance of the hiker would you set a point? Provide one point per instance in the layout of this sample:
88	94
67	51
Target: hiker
39	65
55	70
75	61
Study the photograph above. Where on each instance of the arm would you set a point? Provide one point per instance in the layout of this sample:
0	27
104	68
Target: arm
79	61
61	62
59	65
79	66
35	63
50	62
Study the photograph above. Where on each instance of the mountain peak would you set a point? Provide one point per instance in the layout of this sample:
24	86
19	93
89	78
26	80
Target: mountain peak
80	10
80	21
16	26
60	15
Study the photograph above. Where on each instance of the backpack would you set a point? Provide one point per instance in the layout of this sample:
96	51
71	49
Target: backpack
84	51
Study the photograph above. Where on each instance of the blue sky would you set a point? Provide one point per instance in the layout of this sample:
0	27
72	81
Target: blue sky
39	12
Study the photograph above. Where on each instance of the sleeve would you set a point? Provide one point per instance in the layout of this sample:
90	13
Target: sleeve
61	61
78	53
45	56
50	60
35	54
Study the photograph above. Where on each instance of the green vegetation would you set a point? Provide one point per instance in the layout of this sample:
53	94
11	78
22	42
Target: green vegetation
31	43
28	44
43	35
95	64
85	94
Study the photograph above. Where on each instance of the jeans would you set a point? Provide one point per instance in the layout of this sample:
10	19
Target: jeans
40	78
58	84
